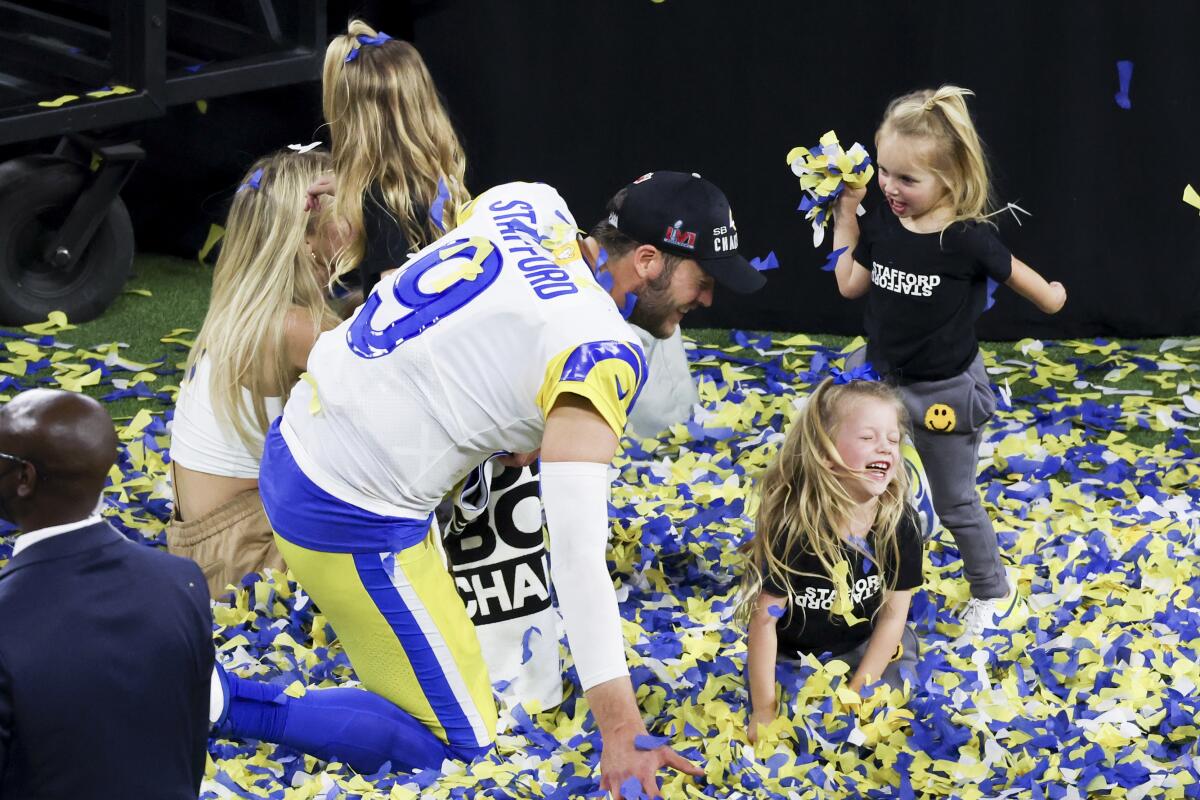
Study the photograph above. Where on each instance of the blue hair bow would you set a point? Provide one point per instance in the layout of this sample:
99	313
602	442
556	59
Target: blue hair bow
863	372
253	182
363	39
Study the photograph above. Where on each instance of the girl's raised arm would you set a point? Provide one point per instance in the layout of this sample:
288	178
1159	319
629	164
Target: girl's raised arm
1025	281
852	279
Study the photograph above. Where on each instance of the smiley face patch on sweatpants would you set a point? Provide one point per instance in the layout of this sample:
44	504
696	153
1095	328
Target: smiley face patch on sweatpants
940	418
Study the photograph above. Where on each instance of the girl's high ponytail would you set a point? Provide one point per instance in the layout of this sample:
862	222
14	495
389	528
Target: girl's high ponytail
942	117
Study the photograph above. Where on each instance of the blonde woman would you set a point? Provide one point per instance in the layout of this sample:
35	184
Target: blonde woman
925	259
268	307
397	164
836	553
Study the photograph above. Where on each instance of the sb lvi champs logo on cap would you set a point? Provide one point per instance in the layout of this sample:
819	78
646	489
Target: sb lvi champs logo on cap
725	238
680	238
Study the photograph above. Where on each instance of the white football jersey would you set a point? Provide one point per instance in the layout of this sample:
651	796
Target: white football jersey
461	353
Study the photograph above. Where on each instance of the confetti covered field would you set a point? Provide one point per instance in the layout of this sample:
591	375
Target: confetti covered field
1089	471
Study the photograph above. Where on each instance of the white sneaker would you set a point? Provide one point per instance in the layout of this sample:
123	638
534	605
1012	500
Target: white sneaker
1006	613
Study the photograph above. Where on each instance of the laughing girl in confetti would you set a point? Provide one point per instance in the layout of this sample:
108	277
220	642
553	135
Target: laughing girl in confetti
925	259
836	553
397	164
268	307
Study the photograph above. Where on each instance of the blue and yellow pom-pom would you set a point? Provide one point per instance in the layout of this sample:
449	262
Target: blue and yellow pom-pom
823	171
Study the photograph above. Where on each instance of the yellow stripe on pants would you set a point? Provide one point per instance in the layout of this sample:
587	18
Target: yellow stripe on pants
374	642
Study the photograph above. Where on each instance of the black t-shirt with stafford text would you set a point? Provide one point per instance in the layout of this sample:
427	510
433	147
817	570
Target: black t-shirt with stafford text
387	246
927	290
807	627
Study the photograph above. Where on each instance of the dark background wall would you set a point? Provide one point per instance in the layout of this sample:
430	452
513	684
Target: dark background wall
586	95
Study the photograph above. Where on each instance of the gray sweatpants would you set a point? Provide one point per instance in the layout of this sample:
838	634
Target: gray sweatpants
948	418
894	673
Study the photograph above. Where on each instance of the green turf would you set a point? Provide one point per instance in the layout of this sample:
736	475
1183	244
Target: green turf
179	297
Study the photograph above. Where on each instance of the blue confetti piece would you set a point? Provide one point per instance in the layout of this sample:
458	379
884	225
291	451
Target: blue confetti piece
1124	76
991	294
437	209
831	260
526	653
647	742
630	301
631	789
764	264
776	611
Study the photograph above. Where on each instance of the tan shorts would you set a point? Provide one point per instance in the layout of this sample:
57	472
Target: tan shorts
229	542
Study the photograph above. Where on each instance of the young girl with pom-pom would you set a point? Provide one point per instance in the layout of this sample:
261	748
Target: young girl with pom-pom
836	552
924	260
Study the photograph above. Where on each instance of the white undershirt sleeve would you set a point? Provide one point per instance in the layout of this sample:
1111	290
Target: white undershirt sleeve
575	497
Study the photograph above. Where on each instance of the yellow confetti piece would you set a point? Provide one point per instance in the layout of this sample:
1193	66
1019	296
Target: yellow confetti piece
314	403
175	337
15	366
843	606
77	384
215	234
58	102
1191	197
111	91
202	106
140	292
140	420
296	689
55	321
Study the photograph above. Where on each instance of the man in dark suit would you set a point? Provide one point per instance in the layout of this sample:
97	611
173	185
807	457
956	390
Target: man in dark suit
106	649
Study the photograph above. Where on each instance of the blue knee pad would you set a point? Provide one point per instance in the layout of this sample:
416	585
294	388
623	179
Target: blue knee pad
347	724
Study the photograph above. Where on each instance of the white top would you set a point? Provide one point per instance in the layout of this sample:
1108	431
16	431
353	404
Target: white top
458	354
200	442
670	394
42	534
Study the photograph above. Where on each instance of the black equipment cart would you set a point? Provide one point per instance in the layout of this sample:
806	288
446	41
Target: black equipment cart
80	70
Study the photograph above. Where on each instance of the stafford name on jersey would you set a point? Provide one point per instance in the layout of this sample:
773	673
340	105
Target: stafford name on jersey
518	226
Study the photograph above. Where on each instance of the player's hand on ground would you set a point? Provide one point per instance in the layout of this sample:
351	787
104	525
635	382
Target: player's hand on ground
622	763
757	718
1058	298
326	184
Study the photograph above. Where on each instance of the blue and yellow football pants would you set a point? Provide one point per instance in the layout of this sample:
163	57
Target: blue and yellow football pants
384	588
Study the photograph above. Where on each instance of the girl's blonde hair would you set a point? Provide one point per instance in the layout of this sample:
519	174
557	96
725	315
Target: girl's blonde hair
264	270
388	128
940	116
803	504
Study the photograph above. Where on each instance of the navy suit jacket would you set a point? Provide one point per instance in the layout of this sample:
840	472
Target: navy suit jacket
106	656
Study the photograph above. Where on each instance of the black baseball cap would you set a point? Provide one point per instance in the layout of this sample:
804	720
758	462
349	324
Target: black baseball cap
683	214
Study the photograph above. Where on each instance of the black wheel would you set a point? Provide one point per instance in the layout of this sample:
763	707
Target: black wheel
36	194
